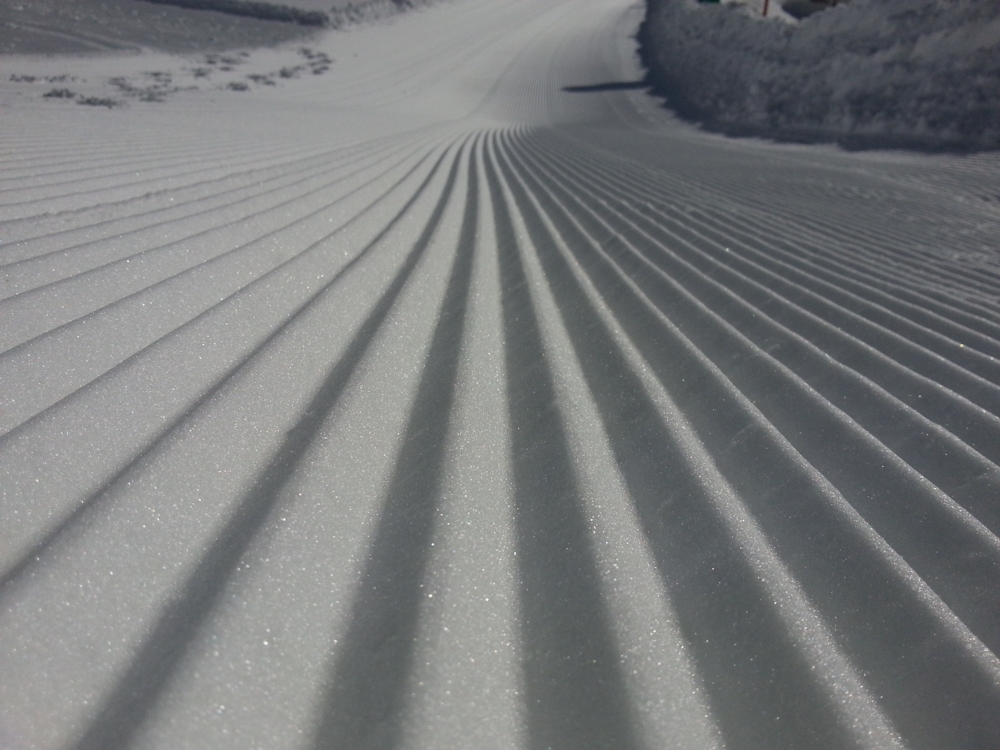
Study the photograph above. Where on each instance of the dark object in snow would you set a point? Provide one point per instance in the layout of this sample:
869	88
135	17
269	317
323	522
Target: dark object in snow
59	94
607	86
803	8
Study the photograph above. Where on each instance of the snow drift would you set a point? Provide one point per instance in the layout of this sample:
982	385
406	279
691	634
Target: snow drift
909	73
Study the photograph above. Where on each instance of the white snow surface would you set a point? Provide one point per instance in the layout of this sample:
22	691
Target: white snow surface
430	386
911	73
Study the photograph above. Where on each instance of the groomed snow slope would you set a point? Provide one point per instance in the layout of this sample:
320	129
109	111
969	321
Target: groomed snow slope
425	403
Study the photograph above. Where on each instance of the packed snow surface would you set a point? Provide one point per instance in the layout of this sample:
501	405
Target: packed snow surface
428	385
912	73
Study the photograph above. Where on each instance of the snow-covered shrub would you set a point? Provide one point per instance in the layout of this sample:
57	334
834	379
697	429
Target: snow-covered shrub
912	73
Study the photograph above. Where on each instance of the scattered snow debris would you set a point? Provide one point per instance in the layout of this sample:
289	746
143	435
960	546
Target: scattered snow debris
154	87
98	101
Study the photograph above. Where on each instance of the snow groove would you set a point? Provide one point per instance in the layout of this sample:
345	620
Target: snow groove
466	400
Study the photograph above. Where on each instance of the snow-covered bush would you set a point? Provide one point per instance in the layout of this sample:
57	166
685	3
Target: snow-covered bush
912	73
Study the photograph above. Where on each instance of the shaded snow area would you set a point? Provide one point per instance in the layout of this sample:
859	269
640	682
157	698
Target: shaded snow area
428	385
89	26
898	73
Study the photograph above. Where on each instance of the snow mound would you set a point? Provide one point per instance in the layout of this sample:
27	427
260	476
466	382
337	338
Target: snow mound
895	73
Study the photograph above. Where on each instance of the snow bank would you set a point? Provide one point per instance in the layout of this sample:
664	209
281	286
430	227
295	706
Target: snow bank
341	14
898	73
254	9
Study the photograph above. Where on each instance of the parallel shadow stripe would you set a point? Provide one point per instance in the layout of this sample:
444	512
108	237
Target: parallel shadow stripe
763	476
12	575
202	262
180	214
365	698
574	693
941	542
953	412
918	289
197	314
161	654
734	635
